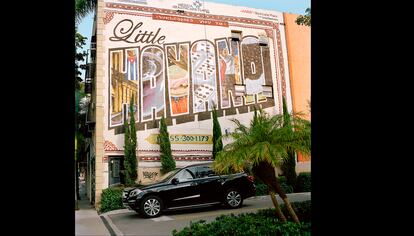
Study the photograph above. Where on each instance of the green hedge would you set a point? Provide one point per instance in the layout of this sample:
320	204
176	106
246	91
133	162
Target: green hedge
285	186
263	222
111	199
304	183
302	210
261	188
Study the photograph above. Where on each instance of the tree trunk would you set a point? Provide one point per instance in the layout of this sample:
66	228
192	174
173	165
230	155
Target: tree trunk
290	210
279	212
266	173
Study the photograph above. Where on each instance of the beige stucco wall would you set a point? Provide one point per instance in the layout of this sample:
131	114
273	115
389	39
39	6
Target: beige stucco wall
303	167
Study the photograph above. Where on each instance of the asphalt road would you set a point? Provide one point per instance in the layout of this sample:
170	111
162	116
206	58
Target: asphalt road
125	222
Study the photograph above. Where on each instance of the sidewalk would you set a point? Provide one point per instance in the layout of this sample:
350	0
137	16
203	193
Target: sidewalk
87	220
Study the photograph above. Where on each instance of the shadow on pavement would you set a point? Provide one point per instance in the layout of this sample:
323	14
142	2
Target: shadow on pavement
203	209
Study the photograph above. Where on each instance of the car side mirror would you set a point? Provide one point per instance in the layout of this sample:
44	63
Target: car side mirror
175	181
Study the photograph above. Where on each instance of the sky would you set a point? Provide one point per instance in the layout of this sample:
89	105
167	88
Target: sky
289	6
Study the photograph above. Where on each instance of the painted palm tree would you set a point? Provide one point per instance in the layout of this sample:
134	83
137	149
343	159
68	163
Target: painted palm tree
262	147
83	8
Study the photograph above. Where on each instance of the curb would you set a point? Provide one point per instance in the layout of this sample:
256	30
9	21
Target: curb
109	224
288	194
119	211
108	227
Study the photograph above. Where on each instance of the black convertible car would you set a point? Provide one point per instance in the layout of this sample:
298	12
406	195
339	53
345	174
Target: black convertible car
191	186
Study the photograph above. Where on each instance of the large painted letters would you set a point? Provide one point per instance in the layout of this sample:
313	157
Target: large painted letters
203	75
229	72
178	78
124	84
192	87
152	83
252	66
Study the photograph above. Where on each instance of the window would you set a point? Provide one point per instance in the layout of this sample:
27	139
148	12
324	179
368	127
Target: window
236	35
267	91
263	40
184	175
204	171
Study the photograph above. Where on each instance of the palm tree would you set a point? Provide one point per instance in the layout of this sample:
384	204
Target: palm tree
289	165
304	19
264	146
83	8
217	142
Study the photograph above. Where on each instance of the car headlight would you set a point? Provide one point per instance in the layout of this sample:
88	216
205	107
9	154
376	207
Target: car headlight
134	192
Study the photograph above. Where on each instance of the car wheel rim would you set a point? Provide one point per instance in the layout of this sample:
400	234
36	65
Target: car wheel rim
233	198
152	207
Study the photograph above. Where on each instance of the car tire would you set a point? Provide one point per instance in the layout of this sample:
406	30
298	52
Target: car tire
151	206
233	198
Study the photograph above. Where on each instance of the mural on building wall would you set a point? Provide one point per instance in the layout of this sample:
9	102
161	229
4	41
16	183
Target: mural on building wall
124	84
153	83
229	72
178	78
203	75
182	80
147	72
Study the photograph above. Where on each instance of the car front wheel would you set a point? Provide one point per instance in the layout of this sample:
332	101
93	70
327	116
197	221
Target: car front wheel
151	206
233	198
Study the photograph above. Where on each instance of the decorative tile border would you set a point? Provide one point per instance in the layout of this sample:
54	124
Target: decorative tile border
178	158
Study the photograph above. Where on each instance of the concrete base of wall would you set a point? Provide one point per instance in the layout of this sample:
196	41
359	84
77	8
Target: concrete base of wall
303	167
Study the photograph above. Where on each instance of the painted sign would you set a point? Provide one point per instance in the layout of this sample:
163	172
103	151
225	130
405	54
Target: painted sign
190	20
178	59
195	6
183	139
212	67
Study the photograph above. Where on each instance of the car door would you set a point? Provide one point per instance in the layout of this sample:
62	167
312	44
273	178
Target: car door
210	184
185	192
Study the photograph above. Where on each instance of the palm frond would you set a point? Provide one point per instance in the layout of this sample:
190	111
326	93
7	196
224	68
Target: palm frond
83	8
267	139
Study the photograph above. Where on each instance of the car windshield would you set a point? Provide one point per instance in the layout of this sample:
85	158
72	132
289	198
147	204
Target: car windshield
170	175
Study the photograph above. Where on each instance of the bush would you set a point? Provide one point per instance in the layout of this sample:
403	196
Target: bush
304	183
261	188
264	222
302	210
285	186
111	199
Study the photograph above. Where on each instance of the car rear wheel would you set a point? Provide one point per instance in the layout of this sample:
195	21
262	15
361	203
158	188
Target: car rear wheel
151	206
233	198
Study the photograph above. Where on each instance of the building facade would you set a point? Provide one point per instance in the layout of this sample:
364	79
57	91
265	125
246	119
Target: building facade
177	59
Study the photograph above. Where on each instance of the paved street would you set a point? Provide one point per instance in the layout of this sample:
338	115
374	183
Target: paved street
125	222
